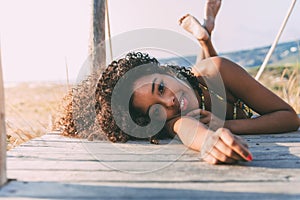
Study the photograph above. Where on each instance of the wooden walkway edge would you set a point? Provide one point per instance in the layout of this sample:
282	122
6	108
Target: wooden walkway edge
57	167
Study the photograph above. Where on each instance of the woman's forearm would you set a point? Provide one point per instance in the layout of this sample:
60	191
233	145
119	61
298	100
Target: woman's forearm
275	122
191	132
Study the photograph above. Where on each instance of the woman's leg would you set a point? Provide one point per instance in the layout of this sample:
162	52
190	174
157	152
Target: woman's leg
210	12
203	33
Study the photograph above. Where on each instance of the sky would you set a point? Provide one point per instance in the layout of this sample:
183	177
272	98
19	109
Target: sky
40	37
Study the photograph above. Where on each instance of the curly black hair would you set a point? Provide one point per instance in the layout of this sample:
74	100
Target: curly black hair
92	100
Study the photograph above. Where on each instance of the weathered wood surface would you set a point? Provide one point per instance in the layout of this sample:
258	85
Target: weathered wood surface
56	167
97	48
2	129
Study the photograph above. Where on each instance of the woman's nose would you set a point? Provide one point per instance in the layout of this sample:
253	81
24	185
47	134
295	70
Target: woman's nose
169	102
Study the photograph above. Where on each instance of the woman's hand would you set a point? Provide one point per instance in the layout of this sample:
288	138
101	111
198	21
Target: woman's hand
207	118
215	147
226	148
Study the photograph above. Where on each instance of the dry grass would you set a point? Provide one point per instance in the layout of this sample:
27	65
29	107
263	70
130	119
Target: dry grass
31	107
283	81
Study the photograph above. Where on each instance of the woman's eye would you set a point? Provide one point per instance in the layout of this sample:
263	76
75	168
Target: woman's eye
161	87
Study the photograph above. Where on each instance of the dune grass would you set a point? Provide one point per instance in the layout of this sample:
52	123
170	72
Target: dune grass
283	81
29	109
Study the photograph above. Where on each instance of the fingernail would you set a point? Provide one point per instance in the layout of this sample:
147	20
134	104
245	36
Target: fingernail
249	157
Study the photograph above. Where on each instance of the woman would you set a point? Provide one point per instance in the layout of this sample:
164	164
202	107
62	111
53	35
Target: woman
157	101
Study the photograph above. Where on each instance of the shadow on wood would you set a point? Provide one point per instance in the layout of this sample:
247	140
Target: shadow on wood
56	190
275	151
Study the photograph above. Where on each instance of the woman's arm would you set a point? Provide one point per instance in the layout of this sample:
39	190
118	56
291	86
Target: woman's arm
225	147
275	115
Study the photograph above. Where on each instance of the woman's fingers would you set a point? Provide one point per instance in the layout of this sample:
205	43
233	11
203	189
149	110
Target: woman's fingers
242	140
205	120
216	157
194	113
235	144
220	156
203	115
211	159
227	151
227	148
198	112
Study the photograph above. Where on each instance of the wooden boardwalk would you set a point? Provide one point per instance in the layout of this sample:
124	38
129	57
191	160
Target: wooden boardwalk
57	167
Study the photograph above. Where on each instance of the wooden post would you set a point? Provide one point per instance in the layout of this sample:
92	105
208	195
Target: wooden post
97	40
2	130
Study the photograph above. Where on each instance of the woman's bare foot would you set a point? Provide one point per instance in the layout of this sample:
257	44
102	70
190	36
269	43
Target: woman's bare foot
193	26
210	12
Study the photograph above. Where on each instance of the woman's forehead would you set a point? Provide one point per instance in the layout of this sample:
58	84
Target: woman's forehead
143	84
148	79
145	79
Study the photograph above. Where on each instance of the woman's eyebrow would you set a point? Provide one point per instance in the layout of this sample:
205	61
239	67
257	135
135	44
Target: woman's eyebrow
153	85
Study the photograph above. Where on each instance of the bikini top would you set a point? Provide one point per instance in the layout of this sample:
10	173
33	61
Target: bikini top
238	104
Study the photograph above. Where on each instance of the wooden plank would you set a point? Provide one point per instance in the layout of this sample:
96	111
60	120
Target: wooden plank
97	41
116	149
275	155
150	191
157	171
105	163
48	148
139	170
160	174
2	129
52	165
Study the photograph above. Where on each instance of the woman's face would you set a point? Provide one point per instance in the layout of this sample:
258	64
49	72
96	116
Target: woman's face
163	97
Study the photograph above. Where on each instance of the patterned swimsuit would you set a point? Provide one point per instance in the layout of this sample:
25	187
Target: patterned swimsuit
238	104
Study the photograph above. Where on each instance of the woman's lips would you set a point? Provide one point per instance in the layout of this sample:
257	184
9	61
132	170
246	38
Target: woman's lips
183	103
